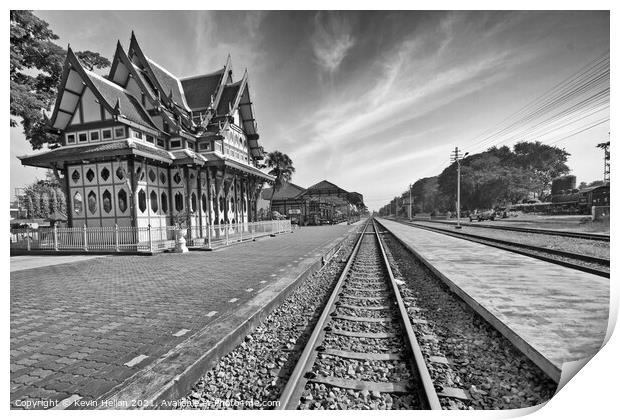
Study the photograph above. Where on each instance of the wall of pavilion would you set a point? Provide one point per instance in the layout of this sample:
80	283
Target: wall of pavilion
140	147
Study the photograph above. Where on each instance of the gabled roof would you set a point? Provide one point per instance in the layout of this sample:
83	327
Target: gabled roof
227	101
120	61
116	100
199	90
116	96
287	191
169	83
165	82
325	187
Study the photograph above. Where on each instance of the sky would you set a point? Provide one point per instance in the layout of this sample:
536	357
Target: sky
371	101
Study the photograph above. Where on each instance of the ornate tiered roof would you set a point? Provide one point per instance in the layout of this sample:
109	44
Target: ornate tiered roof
195	106
145	96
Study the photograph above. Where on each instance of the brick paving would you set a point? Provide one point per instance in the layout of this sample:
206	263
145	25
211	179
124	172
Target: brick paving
76	327
552	313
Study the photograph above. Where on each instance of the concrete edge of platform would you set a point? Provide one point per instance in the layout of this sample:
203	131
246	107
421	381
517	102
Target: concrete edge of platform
173	374
530	352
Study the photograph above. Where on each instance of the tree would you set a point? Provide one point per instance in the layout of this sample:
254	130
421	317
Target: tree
53	201
45	205
282	168
44	197
543	162
501	175
92	60
35	70
36	203
29	207
62	202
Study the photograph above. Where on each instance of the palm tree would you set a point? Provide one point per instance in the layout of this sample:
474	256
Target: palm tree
282	168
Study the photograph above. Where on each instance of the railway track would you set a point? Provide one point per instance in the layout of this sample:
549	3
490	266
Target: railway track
579	235
363	341
581	262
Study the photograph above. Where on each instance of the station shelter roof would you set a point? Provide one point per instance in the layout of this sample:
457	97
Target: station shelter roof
288	191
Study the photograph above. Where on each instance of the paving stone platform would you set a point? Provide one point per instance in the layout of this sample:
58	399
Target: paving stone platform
84	328
552	313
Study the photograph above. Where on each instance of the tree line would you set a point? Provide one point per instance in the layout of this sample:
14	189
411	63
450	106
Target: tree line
494	177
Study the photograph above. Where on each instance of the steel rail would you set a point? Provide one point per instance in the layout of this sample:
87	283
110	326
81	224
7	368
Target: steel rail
296	383
551	232
295	386
527	250
432	400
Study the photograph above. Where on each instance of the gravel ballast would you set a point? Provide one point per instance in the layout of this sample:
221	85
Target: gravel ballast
253	375
495	374
593	248
481	362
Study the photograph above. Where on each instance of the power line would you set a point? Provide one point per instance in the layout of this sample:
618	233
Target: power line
562	85
571	98
546	109
580	131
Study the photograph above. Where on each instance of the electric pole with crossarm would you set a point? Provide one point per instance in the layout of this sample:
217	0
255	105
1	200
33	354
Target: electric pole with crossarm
457	157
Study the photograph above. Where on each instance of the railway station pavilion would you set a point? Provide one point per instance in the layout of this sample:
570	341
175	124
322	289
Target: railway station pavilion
141	147
323	202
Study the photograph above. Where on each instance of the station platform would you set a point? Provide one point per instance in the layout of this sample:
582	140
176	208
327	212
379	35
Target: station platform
132	328
553	314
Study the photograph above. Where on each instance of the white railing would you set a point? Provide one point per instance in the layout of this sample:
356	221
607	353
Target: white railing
139	239
218	235
113	238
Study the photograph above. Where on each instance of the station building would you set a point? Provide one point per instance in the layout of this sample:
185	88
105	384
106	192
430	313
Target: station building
141	146
323	202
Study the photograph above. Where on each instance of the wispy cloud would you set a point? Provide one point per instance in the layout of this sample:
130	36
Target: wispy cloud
400	94
252	21
212	45
387	114
332	40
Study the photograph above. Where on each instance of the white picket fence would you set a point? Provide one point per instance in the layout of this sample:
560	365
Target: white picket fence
139	239
218	235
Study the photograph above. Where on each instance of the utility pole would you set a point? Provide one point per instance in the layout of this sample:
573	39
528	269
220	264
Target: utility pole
457	157
410	204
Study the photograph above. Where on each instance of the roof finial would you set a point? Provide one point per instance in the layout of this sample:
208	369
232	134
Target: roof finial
117	107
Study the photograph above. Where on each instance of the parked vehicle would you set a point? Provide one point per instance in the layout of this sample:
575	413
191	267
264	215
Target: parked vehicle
481	215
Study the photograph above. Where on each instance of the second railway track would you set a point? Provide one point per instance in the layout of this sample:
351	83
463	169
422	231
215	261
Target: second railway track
592	236
363	341
587	263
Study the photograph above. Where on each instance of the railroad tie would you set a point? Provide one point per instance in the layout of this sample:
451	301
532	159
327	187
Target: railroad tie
370	308
360	297
362	356
363	334
377	290
391	387
362	319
